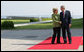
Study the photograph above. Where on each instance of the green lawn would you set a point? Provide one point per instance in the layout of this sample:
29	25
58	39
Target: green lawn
36	26
76	23
18	21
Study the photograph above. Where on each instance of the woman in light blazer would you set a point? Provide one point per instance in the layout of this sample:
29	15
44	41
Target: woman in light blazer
56	25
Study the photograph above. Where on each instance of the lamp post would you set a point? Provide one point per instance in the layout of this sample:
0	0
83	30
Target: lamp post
40	18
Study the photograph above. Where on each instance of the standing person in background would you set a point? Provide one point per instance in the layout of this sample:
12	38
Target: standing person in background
56	25
65	18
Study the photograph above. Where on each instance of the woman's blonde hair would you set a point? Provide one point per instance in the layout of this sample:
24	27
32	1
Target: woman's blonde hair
55	9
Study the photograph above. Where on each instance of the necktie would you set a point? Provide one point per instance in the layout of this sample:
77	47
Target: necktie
63	13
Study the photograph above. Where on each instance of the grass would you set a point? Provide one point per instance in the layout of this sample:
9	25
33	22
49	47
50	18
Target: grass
76	23
17	21
36	26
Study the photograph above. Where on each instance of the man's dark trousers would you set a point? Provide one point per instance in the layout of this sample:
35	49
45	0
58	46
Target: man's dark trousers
65	28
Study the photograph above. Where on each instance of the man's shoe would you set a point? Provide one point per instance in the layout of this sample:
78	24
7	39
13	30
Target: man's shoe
65	42
58	42
69	42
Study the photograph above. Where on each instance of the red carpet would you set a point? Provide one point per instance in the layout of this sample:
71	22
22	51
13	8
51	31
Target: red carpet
82	41
46	44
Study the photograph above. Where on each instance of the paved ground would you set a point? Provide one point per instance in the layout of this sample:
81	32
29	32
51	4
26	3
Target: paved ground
32	23
20	40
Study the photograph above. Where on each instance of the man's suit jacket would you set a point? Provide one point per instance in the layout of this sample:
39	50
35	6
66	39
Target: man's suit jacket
66	19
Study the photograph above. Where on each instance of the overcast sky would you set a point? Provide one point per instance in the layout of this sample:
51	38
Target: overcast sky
25	8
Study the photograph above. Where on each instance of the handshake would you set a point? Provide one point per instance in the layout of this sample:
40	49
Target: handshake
60	22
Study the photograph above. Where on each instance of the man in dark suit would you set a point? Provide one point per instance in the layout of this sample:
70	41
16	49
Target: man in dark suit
65	18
